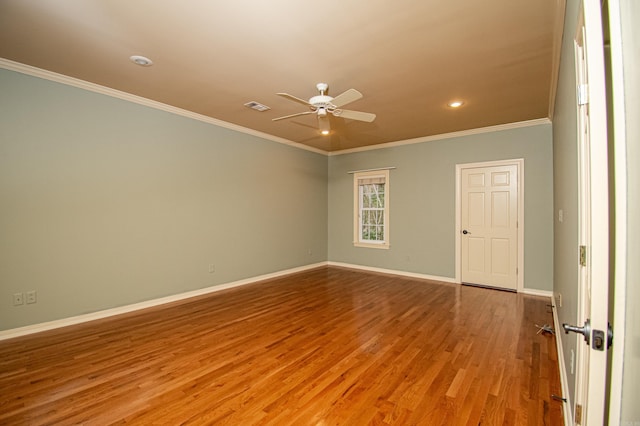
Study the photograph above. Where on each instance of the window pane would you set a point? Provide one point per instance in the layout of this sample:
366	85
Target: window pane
376	217
366	233
373	235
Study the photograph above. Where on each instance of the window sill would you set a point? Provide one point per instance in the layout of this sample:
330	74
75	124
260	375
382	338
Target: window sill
384	246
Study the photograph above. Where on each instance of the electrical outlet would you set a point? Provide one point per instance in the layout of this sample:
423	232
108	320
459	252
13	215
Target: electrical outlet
310	252
212	268
18	299
31	297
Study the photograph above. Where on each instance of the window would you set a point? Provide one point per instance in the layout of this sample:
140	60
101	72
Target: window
371	209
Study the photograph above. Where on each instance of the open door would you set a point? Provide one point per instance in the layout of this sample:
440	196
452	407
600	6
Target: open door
592	322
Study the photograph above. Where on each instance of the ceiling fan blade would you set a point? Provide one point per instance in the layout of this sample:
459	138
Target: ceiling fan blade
346	97
293	115
293	98
355	115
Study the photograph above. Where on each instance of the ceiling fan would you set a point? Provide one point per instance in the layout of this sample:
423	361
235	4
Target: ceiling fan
322	105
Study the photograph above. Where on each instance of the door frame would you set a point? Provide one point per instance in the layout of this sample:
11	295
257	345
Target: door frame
519	163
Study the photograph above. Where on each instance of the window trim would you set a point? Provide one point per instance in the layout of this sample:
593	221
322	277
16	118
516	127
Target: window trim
357	177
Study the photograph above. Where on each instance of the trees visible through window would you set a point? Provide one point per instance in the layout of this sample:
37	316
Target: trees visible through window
371	206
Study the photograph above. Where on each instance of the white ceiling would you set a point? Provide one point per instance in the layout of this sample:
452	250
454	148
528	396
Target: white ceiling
408	58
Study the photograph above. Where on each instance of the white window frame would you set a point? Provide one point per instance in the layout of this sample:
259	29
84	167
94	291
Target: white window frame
358	241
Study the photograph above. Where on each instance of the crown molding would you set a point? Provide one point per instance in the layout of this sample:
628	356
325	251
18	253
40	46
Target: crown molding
96	88
479	130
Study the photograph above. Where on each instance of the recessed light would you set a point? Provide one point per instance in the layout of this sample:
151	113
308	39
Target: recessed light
455	104
325	132
141	60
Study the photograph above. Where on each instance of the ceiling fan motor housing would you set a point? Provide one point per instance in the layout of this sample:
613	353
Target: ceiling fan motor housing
321	101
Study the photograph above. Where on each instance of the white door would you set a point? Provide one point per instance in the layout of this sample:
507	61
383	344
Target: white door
593	215
489	222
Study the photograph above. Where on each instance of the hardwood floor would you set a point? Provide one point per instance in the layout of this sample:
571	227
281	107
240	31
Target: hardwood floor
329	346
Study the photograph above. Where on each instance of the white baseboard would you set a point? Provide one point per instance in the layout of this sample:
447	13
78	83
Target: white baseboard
50	325
78	319
392	272
536	292
567	406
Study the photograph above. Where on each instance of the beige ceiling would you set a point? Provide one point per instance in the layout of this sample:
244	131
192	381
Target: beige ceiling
408	58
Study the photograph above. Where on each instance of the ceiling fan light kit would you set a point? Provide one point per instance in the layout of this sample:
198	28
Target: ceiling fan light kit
324	125
324	105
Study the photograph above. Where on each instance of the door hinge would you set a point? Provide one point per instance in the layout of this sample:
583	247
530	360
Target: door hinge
583	94
578	415
583	255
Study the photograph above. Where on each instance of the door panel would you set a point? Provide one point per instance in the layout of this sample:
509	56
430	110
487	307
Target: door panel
476	260
476	209
500	249
489	210
500	210
500	179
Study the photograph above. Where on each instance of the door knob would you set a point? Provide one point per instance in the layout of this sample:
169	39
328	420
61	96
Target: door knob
585	331
465	232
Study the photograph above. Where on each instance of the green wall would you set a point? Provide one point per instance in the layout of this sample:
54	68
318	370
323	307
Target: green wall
106	203
422	202
565	170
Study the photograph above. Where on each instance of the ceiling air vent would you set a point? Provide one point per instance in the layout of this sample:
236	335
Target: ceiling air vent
257	106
